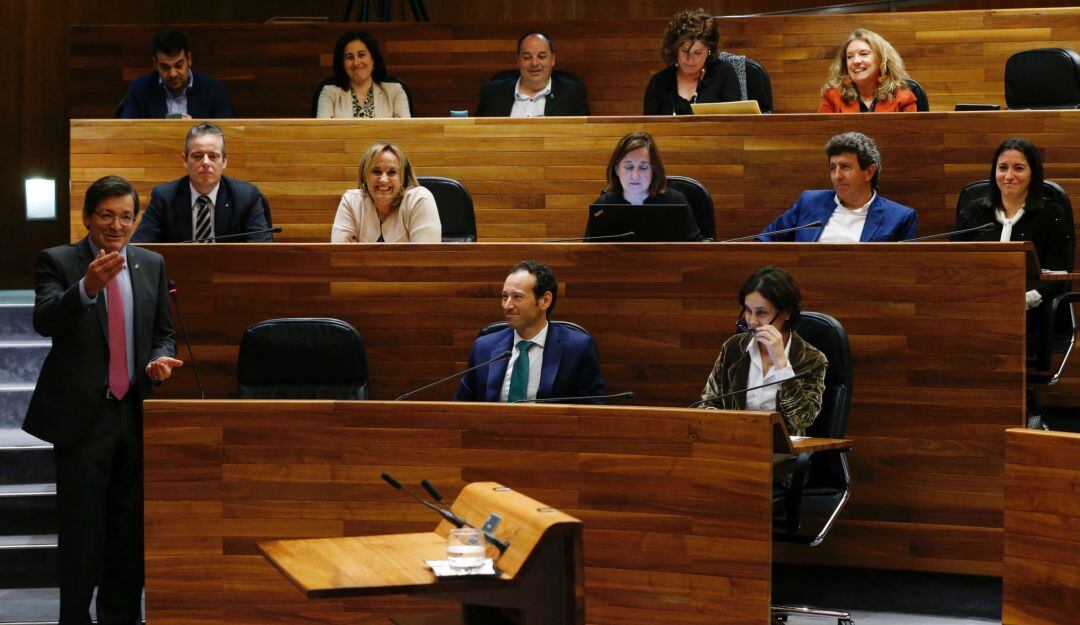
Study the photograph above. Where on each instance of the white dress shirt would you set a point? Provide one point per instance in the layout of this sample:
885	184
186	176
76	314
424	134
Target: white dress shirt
529	105
195	212
764	399
1032	298
536	362
845	225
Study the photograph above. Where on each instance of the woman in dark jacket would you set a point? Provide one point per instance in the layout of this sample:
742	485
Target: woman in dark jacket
693	73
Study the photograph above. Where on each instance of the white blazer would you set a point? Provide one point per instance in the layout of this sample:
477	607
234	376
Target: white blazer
416	220
390	101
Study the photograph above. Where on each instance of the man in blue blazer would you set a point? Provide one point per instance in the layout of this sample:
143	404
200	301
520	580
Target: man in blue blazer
547	360
204	204
173	89
853	212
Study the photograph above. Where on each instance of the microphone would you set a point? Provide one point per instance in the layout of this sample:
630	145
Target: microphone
809	226
503	356
986	226
449	516
501	544
570	400
600	237
752	388
225	237
187	341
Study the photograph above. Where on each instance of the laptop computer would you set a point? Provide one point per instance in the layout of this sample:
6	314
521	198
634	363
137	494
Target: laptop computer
742	107
644	222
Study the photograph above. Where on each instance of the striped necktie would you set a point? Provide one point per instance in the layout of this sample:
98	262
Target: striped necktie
203	223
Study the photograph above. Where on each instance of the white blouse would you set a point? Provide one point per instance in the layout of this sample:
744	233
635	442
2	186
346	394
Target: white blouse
416	220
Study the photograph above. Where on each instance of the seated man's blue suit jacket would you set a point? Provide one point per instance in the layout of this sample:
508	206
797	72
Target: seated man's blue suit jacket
885	221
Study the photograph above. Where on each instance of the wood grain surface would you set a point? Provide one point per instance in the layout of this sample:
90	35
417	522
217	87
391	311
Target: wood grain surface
534	179
936	331
675	502
1041	566
272	70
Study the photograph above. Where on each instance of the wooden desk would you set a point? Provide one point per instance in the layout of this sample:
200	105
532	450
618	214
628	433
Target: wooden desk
805	445
676	503
1041	566
938	377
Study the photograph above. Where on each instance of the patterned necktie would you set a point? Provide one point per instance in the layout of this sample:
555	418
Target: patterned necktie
519	376
118	368
203	223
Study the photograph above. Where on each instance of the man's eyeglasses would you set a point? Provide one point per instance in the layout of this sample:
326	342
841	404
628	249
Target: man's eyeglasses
125	219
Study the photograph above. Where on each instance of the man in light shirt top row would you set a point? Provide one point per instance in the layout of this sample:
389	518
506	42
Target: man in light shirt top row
853	211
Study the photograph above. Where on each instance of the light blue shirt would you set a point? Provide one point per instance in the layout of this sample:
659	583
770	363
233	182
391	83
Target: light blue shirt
177	105
123	280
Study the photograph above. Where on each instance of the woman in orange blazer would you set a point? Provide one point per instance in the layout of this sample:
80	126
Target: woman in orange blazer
867	76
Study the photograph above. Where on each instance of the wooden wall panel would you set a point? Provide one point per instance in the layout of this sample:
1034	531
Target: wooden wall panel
958	56
936	332
676	503
1041	566
534	179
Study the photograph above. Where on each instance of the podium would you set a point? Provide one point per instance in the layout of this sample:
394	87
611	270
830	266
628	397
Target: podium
540	579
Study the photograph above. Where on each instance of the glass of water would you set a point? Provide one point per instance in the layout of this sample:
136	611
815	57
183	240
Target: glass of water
465	548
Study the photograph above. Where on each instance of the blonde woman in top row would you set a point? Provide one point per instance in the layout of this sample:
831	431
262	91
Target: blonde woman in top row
390	206
867	76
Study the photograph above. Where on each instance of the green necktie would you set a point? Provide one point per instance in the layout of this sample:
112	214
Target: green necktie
519	376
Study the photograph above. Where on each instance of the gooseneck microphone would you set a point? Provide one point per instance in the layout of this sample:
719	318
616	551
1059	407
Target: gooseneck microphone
941	235
237	235
187	341
502	356
570	400
809	226
716	398
599	237
445	511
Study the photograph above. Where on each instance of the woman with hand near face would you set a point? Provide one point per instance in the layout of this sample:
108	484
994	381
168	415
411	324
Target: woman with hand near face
635	175
694	73
1015	204
390	206
769	350
867	76
359	88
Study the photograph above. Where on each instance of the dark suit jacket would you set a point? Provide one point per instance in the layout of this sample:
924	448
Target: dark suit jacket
240	208
719	84
207	98
885	221
71	386
568	97
571	366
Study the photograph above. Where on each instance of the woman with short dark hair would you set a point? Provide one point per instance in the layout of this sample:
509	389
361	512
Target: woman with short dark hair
1015	205
694	72
359	87
768	349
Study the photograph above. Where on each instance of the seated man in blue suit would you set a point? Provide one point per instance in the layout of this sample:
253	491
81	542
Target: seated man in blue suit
535	91
547	361
173	89
853	211
204	204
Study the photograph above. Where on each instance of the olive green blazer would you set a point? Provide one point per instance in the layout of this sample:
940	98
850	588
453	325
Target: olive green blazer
799	401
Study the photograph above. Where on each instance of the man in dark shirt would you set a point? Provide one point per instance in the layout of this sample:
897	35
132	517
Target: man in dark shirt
173	89
535	91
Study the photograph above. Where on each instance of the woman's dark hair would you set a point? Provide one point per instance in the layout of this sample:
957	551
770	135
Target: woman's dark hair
378	71
105	188
777	286
626	145
690	26
1031	153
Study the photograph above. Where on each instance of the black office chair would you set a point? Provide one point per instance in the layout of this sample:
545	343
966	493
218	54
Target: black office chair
314	111
269	218
922	103
700	203
804	512
1045	78
455	208
1057	314
496	326
758	85
302	358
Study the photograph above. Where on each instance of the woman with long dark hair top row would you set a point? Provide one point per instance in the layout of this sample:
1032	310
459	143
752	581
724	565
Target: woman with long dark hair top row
359	87
1016	205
